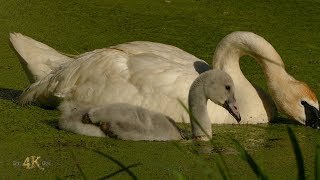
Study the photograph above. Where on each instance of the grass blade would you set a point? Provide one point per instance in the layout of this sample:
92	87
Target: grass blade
179	176
78	166
124	168
119	171
223	168
246	156
298	153
192	118
317	164
222	173
225	174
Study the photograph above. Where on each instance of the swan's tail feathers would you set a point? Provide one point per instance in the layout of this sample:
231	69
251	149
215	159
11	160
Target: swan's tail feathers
41	93
38	59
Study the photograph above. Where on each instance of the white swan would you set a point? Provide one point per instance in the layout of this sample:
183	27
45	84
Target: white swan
129	122
154	76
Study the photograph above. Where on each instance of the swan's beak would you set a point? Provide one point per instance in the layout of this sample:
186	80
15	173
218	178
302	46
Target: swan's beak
312	115
231	106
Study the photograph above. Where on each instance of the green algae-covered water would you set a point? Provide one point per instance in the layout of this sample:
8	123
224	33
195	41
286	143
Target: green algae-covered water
32	147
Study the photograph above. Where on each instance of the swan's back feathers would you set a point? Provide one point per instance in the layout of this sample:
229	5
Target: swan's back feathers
163	50
138	73
39	58
113	75
63	80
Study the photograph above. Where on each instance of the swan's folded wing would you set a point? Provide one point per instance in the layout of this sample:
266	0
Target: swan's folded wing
155	74
168	52
160	68
151	80
90	69
161	82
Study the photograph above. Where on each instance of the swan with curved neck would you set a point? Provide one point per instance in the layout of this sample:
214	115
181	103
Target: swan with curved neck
129	122
287	93
154	76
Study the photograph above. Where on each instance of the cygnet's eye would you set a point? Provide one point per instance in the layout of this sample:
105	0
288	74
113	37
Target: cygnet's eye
228	87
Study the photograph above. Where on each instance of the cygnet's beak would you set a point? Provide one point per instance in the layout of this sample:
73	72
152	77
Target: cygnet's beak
231	106
312	115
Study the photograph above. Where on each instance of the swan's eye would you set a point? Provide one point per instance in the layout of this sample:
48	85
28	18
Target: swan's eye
228	88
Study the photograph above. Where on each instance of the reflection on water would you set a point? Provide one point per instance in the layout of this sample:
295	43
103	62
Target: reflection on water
262	137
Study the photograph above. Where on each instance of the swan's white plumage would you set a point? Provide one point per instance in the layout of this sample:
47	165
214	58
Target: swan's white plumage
39	58
108	76
130	122
154	76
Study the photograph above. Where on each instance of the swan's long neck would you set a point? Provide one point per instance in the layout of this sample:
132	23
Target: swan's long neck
238	44
198	108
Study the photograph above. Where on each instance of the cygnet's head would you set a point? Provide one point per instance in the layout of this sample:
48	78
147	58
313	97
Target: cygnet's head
219	88
299	102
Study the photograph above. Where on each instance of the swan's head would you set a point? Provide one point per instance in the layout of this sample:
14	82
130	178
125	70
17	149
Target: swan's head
300	103
219	88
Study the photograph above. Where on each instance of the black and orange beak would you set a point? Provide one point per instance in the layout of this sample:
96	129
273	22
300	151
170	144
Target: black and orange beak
312	115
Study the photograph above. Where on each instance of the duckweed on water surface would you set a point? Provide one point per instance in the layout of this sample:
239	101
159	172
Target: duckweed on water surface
196	26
